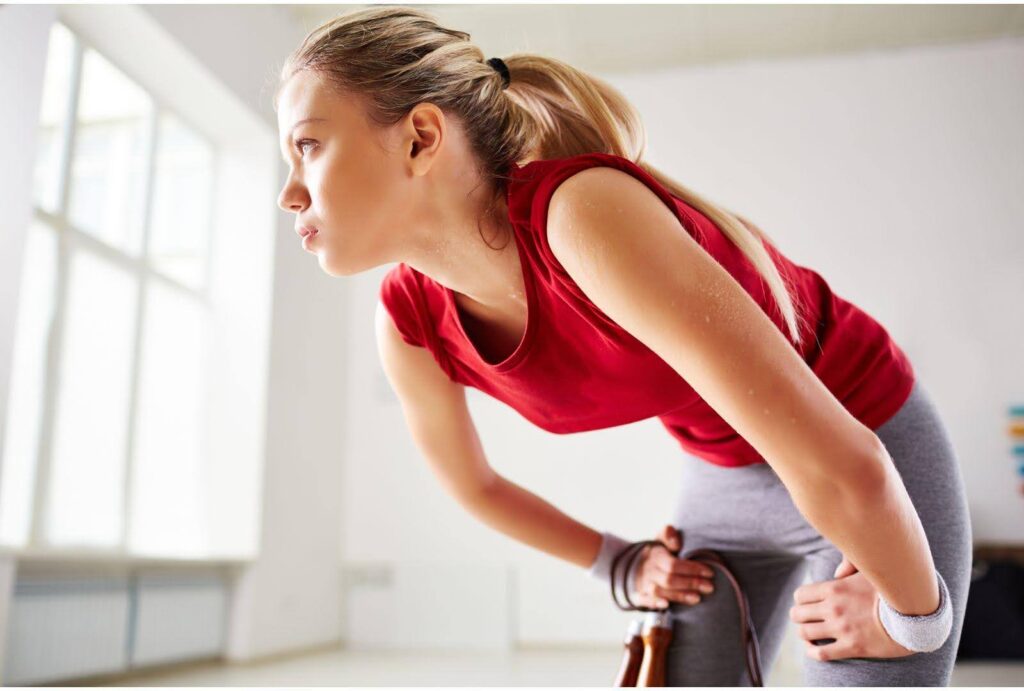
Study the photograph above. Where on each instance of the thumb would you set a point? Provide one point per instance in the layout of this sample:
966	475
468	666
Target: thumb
845	568
671	536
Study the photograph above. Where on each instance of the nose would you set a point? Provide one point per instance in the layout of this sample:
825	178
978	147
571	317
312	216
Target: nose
293	196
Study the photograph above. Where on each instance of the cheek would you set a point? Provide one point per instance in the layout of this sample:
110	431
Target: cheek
367	199
359	195
329	206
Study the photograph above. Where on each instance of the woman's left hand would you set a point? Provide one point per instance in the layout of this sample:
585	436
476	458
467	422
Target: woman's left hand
846	610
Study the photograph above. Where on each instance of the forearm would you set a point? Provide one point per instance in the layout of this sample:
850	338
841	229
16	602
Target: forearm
877	528
523	516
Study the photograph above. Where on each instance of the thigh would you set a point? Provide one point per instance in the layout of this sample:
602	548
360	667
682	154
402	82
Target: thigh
706	648
922	453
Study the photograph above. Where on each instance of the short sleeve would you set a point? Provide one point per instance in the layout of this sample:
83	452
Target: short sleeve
403	295
397	294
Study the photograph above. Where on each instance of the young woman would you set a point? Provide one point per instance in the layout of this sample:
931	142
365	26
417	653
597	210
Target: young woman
613	295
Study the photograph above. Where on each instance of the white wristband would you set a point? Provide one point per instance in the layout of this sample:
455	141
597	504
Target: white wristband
921	633
601	569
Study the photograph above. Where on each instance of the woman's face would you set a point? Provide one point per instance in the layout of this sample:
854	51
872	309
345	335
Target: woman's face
342	181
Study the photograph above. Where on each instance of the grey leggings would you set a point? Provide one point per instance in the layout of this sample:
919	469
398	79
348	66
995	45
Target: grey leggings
747	515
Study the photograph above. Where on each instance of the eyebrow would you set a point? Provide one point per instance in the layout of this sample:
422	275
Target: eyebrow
302	122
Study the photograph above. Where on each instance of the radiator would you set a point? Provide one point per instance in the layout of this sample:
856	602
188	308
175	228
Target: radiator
178	617
67	627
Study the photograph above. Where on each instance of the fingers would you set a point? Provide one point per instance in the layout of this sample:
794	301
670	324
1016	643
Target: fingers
680	588
815	631
672	536
647	595
648	600
845	568
807	613
677	582
811	592
667	578
681	596
832	651
668	563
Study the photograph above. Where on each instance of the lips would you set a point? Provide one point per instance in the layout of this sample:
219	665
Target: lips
303	231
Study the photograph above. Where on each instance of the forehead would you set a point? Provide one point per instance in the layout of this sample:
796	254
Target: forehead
303	94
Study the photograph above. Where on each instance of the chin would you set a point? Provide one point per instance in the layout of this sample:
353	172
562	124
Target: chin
335	268
330	269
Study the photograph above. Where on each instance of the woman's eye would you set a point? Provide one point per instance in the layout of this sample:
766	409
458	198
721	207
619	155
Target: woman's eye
301	143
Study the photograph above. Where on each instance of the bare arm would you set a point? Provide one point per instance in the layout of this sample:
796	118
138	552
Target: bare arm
627	251
524	516
877	528
437	415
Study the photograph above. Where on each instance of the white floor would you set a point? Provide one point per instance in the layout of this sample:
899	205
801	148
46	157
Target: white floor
521	668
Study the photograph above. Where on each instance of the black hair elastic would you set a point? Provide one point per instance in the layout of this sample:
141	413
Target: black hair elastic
502	68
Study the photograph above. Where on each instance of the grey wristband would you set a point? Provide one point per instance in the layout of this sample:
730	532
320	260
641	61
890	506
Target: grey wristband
920	633
601	569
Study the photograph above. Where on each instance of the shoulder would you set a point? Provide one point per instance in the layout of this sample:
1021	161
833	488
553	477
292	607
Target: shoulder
593	176
545	180
607	198
599	186
585	207
594	179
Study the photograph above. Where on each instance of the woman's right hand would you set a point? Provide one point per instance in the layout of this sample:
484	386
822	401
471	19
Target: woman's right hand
662	577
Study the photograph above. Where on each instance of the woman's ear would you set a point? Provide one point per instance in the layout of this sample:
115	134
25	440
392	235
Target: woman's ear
424	133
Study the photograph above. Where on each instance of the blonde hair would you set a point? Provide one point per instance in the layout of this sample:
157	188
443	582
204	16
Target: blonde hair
395	57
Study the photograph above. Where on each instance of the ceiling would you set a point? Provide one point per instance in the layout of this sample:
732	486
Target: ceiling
628	38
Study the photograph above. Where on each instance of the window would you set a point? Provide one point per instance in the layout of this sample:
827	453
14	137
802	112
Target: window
106	444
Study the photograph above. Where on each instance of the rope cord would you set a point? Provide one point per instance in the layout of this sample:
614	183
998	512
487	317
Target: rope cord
748	637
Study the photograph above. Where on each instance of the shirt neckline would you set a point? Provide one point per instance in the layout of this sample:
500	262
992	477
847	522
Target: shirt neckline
517	355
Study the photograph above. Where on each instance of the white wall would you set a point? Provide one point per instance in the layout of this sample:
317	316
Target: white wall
895	174
23	39
242	45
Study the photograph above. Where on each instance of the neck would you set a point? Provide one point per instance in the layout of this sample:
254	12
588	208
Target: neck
450	248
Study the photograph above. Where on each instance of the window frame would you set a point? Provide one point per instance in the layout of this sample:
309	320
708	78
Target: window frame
70	240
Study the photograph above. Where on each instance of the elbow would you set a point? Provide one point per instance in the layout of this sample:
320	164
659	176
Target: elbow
846	487
478	494
866	475
875	466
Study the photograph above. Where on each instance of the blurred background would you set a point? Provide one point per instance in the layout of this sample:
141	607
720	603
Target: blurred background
205	477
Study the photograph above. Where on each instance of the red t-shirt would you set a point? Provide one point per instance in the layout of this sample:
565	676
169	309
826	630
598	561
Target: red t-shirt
575	369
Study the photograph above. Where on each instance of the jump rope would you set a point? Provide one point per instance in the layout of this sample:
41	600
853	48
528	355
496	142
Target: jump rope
648	638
